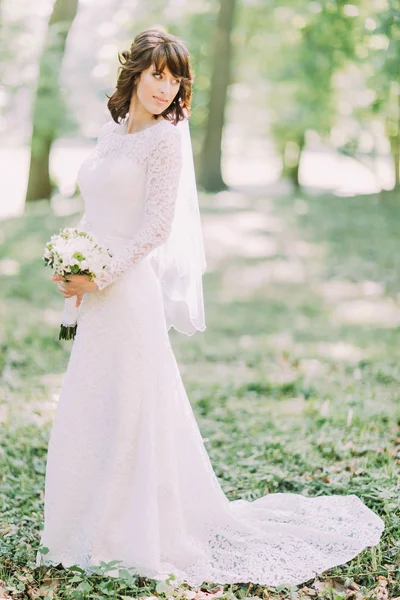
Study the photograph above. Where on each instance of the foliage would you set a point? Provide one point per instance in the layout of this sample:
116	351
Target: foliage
310	42
317	71
383	60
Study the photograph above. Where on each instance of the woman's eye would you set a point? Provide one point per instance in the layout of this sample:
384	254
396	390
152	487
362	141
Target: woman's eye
177	81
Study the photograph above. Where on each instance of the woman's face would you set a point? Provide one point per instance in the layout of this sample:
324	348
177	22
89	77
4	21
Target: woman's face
155	90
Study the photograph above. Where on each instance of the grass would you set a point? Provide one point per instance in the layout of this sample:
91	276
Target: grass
295	382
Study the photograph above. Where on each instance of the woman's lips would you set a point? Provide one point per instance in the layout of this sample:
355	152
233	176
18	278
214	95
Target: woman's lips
159	100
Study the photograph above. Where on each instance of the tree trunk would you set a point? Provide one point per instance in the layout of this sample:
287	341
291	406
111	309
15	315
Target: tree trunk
293	175
210	176
395	152
291	159
48	104
393	130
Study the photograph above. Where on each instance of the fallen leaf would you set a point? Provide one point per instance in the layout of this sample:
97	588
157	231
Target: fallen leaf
381	592
354	586
216	592
3	591
308	591
9	530
326	587
33	593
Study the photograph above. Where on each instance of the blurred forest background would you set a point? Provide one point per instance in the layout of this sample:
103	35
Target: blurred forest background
304	90
296	133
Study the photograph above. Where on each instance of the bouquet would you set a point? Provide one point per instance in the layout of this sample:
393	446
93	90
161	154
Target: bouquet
74	252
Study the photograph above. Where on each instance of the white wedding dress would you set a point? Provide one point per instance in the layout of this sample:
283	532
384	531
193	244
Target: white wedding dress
128	477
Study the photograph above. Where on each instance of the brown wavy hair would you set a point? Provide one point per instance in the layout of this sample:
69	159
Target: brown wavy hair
153	46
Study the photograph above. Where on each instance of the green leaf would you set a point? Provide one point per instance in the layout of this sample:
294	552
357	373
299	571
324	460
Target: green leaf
164	588
84	587
112	563
76	568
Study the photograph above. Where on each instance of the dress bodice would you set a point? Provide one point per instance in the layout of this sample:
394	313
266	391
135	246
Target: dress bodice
112	179
129	185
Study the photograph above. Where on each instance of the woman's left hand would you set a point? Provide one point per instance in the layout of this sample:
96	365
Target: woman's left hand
76	284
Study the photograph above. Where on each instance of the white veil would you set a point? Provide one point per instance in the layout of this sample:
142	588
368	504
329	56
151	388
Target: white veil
180	262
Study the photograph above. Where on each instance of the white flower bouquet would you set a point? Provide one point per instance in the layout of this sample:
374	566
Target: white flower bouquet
74	252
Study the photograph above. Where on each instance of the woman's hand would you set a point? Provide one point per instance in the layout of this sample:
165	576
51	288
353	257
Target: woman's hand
77	285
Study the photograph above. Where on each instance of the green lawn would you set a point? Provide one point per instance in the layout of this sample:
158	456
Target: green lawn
295	382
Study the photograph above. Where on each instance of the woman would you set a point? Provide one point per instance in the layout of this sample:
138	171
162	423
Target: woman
128	477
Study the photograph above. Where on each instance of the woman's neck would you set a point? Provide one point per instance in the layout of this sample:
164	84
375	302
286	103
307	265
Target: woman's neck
139	118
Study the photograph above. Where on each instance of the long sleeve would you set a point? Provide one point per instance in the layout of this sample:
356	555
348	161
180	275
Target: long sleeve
163	172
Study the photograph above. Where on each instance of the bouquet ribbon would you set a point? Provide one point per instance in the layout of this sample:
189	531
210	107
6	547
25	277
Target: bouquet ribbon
69	322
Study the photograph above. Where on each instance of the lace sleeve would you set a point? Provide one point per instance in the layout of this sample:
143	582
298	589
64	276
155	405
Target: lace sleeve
163	171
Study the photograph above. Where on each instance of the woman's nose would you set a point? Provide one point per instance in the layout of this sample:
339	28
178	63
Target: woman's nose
165	87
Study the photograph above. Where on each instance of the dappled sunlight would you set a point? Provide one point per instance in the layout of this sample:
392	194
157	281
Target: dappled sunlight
13	181
344	175
270	406
281	340
307	250
312	368
232	373
341	351
249	222
281	373
247	342
26	248
380	313
241	234
252	221
254	278
255	161
336	290
39	407
9	266
63	206
64	164
38	412
290	406
226	199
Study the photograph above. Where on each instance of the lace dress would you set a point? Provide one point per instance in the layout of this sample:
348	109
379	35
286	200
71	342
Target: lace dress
128	477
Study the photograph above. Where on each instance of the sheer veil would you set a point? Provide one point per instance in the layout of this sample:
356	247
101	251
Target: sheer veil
180	262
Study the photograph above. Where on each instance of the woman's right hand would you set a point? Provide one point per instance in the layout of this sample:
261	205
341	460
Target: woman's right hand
79	297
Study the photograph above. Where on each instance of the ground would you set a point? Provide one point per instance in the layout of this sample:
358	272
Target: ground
295	382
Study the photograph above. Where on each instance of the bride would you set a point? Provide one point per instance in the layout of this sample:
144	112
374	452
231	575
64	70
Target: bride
128	478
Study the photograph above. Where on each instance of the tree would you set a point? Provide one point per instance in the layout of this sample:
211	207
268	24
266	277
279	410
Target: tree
313	49
48	106
210	176
384	59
